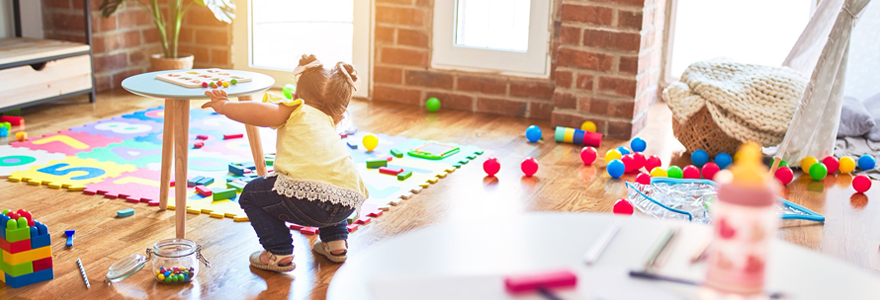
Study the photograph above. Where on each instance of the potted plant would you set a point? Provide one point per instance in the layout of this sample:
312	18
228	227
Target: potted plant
169	29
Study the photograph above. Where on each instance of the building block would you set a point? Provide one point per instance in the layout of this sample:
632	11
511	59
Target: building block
202	190
28	279
375	163
26	256
17	270
15	247
192	181
198	145
233	136
403	176
236	184
128	212
237	170
249	166
363	220
296	227
352	217
17	230
352	146
4	131
205	181
390	171
42	264
544	280
222	194
386	157
397	153
7	125
12	120
352	228
202	137
309	230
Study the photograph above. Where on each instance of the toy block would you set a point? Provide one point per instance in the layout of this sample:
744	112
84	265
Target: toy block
387	157
202	190
69	234
249	166
205	181
403	176
296	227
375	213
309	230
352	217
471	157
390	171
26	215
17	270
237	170
12	120
397	153
375	163
269	161
42	238
28	279
6	125
237	185
352	228
42	264
233	136
352	146
221	194
26	256
202	137
198	145
17	230
192	181
4	131
363	220
128	212
544	280
15	247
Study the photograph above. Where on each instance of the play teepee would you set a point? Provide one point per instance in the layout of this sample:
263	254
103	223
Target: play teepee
821	52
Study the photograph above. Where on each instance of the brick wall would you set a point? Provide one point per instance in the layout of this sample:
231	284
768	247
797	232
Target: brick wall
123	42
605	55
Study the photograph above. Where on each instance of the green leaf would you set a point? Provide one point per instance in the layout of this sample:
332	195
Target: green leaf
224	10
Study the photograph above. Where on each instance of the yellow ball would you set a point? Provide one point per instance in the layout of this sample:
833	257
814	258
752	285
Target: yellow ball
588	126
370	142
658	172
847	165
225	84
21	136
161	277
808	162
612	155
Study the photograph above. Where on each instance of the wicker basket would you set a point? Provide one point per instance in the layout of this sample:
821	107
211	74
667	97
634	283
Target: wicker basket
701	132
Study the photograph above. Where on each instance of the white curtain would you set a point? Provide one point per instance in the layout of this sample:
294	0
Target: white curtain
821	52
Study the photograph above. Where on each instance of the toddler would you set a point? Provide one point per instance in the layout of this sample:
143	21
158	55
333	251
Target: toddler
315	182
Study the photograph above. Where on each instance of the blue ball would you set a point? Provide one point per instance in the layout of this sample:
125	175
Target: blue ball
700	158
533	133
623	150
723	160
615	168
638	144
866	162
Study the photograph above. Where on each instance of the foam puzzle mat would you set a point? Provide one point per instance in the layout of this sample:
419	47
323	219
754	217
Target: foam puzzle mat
120	158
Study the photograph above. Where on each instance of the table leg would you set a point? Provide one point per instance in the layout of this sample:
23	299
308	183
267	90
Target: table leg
167	150
181	146
253	134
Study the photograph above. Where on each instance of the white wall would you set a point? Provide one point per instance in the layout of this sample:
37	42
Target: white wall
863	68
31	19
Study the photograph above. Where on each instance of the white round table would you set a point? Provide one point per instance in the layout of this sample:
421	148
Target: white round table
176	127
468	260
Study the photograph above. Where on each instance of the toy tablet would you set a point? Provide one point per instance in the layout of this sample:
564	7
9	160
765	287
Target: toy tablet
433	151
196	78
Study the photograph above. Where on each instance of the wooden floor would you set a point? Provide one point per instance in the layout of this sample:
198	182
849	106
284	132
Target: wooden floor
851	232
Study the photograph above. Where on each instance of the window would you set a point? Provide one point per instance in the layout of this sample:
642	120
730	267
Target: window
502	36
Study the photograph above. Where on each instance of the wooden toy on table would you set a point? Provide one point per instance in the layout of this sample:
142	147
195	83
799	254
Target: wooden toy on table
202	78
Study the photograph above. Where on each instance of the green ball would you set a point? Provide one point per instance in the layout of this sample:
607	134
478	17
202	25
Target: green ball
168	279
289	90
674	172
433	104
818	171
782	163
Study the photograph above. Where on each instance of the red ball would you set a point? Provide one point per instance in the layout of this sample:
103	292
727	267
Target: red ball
629	162
491	166
622	207
639	159
709	170
588	155
784	175
652	162
643	178
529	166
832	164
861	183
691	172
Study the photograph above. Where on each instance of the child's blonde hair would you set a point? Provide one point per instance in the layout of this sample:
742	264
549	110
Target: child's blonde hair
328	91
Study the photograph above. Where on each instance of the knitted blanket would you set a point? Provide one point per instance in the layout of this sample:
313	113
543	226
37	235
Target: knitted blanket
748	102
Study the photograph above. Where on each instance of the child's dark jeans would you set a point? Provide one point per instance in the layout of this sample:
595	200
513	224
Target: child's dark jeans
267	212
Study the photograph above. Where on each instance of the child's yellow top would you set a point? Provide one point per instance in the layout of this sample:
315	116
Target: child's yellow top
311	161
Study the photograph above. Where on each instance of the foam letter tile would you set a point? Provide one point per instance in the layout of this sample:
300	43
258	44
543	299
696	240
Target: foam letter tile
18	159
72	173
69	143
158	114
194	133
141	185
139	154
120	127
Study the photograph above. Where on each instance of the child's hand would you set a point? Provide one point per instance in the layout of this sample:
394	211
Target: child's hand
218	99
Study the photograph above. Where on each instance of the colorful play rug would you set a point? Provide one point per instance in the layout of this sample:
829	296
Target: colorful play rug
120	158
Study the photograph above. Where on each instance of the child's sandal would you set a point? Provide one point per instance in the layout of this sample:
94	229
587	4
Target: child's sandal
326	248
273	262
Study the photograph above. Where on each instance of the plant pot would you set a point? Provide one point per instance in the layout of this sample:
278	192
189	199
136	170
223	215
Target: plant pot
159	63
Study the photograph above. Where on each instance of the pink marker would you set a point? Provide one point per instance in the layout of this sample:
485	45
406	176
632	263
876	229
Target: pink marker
540	281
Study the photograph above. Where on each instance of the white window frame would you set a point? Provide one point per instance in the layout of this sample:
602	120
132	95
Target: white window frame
533	63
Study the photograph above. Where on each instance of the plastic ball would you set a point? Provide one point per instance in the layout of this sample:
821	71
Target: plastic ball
623	150
674	172
658	172
866	162
638	144
699	157
433	104
588	155
639	159
723	160
691	172
168	279
615	168
622	207
861	183
782	163
204	84
529	166
846	165
288	90
652	162
784	175
491	166
808	162
234	81
225	84
533	133
818	171
612	155
21	136
629	163
643	178
709	170
831	163
370	142
588	126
